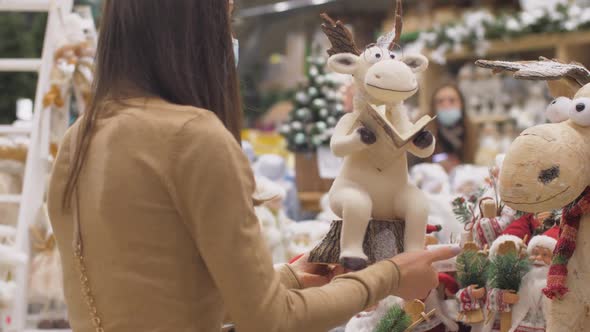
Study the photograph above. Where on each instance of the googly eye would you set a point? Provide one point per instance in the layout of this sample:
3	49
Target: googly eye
374	54
580	112
392	55
558	110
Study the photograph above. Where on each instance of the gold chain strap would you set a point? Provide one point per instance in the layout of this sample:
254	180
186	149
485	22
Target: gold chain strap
86	291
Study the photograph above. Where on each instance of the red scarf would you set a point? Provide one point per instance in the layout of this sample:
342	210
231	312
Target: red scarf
570	224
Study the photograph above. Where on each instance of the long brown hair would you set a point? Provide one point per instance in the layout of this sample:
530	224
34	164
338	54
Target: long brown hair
177	50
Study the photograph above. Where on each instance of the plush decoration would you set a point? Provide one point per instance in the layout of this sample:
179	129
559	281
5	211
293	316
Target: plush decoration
572	216
529	313
471	269
523	227
505	272
495	248
373	183
538	176
269	198
542	241
367	321
431	178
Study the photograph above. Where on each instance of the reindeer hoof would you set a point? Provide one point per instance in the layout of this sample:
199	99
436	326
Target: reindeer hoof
367	136
424	139
353	263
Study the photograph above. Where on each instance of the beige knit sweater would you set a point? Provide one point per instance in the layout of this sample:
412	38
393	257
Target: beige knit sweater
171	241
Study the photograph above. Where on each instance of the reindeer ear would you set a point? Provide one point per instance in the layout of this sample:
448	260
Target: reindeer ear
343	63
417	62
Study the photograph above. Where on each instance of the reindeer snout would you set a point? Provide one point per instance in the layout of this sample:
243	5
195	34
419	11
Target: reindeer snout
547	176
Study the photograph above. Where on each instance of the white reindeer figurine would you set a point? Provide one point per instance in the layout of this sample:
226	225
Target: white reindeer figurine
366	189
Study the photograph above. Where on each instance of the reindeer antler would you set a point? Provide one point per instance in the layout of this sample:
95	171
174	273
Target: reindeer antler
340	37
563	79
398	24
542	70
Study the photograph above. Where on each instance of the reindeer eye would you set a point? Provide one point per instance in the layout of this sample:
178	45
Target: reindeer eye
558	110
580	112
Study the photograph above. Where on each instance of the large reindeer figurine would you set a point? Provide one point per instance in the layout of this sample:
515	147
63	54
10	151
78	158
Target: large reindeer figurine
373	183
548	167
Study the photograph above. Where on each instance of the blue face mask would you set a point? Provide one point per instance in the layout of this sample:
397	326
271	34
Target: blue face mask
449	117
236	50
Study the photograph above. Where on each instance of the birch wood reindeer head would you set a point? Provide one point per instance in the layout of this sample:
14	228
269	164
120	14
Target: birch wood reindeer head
380	75
548	166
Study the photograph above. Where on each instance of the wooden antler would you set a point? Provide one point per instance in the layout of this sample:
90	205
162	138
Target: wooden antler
398	24
340	37
563	79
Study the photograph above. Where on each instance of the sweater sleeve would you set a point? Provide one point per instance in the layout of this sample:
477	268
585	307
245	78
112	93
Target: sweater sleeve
213	185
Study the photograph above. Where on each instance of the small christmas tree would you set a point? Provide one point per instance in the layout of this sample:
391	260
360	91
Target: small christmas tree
317	109
471	269
396	320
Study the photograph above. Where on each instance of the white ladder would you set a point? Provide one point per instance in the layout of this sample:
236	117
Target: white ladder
37	165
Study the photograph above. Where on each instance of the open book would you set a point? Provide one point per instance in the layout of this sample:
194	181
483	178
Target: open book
373	120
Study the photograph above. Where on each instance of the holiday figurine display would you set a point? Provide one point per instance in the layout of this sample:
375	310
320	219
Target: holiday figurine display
441	302
45	283
489	145
373	183
505	272
546	168
529	313
471	268
269	197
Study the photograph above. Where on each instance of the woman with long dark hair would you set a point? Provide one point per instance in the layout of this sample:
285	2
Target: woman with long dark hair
151	196
448	105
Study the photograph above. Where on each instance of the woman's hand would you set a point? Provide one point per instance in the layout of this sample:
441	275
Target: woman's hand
314	275
417	276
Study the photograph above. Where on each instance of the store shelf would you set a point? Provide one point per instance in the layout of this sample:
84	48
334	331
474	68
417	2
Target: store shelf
25	5
33	330
19	65
15	199
533	42
310	201
490	118
11	130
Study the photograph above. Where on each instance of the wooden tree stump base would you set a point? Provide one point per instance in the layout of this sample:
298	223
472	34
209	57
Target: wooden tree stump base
383	239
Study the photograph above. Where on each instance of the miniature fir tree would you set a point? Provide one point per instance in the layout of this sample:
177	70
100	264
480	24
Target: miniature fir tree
506	271
317	109
396	320
471	269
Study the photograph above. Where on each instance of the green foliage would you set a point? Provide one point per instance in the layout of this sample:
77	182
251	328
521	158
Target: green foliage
471	269
465	209
476	28
506	271
21	36
317	109
396	320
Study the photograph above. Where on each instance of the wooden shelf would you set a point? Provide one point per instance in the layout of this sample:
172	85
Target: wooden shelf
310	201
534	42
478	119
566	47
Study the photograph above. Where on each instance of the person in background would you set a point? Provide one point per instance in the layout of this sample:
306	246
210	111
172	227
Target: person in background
451	131
151	196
